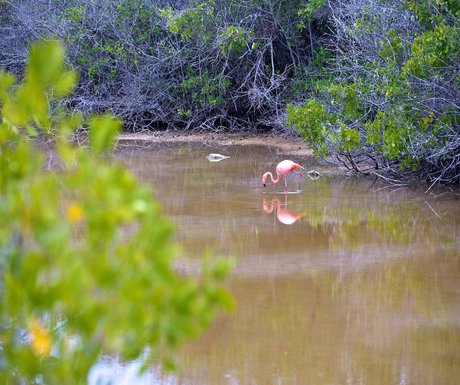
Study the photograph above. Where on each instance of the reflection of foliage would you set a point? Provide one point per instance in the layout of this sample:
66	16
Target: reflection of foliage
354	223
85	254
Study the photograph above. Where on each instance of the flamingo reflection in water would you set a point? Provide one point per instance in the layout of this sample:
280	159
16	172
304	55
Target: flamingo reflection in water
282	213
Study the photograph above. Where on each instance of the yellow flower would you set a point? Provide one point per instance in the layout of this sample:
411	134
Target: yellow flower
40	339
75	212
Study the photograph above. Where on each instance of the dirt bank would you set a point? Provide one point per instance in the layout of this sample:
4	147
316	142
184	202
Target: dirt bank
288	144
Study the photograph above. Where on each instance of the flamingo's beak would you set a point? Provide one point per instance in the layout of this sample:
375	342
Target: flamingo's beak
264	184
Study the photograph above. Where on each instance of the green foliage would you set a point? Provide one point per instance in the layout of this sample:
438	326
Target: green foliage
306	13
142	18
102	133
192	22
345	98
4	10
74	14
310	121
433	51
315	125
393	49
391	136
85	252
102	55
432	12
347	139
233	40
44	76
314	77
203	91
143	50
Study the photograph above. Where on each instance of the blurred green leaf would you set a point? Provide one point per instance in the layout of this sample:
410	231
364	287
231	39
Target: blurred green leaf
103	131
65	84
223	267
45	63
6	81
32	131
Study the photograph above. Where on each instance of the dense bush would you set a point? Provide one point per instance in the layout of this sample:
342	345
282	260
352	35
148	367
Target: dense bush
158	63
389	99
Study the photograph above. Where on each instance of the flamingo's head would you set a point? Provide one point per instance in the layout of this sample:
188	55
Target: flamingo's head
264	178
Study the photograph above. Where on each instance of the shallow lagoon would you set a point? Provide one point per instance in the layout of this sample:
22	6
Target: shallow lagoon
347	281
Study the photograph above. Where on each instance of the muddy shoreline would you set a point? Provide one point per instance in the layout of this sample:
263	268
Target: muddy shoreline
287	144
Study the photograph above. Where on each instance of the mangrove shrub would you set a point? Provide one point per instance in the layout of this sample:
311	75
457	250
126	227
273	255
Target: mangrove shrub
389	99
85	253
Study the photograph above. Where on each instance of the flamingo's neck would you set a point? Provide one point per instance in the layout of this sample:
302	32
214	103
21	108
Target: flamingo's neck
269	174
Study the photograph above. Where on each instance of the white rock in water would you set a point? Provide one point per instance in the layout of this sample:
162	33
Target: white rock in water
216	157
313	174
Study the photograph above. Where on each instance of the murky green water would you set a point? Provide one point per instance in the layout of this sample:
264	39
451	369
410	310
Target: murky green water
361	287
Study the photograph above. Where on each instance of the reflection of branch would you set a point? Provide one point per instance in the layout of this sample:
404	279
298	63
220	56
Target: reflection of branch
432	209
395	182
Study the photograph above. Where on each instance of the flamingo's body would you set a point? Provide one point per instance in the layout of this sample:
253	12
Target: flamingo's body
282	169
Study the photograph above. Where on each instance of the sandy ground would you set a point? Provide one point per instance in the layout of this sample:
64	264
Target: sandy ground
288	144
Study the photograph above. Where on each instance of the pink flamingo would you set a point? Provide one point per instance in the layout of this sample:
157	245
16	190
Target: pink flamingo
283	168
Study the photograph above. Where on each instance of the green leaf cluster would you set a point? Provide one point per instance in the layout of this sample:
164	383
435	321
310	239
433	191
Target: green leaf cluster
314	76
311	122
74	14
202	90
86	255
434	51
306	12
192	22
433	12
233	40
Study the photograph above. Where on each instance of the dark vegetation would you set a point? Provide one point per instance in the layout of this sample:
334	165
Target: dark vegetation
372	84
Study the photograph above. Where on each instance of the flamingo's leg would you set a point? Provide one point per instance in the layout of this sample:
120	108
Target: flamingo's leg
300	179
285	184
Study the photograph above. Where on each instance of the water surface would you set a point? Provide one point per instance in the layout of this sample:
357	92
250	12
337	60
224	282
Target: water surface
346	281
